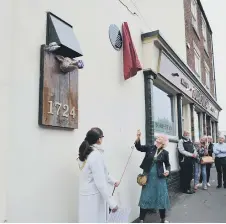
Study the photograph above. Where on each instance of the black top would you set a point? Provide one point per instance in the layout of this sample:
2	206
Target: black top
147	162
188	145
210	149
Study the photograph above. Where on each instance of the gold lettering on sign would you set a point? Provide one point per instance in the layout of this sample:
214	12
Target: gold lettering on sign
200	98
212	109
184	83
59	108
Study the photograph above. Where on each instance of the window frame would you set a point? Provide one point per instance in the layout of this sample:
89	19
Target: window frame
196	125
197	53
207	71
173	110
204	33
194	13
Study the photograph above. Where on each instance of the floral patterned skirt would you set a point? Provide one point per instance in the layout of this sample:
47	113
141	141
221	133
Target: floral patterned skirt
155	194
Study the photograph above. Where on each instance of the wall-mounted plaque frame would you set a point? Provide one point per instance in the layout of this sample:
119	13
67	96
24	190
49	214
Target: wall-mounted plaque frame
115	37
58	95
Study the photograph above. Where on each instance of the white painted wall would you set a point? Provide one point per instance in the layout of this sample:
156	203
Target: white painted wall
42	172
165	16
5	67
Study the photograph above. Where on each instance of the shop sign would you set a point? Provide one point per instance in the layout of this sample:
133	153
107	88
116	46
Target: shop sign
164	126
58	87
184	83
200	98
212	109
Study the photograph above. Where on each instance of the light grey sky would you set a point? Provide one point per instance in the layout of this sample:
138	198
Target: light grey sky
216	14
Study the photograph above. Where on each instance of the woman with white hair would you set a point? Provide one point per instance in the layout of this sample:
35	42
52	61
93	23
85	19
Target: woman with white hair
156	168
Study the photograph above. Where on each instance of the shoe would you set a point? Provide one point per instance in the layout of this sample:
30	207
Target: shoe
199	185
205	188
208	184
163	221
219	186
188	192
141	221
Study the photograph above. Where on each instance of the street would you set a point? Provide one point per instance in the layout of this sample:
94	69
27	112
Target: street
204	206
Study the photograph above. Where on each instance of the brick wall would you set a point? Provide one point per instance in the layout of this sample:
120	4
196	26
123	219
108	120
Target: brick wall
174	185
197	37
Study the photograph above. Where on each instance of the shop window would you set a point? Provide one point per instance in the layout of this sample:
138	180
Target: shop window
194	15
196	126
182	118
163	106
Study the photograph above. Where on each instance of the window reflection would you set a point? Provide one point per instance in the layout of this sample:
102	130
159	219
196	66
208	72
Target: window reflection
163	112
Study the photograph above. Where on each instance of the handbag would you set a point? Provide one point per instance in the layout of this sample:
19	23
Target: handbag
207	160
142	179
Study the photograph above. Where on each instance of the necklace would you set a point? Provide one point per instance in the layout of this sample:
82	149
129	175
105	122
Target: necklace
157	153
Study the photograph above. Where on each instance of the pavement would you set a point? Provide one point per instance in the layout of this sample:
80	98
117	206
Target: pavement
205	206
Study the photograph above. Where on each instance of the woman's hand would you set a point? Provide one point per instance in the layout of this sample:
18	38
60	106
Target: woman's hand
117	184
138	135
166	173
115	209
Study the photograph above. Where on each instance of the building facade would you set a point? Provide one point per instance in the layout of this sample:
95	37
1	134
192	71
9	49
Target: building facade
39	171
200	59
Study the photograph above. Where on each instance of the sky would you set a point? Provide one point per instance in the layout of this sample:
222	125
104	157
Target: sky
216	14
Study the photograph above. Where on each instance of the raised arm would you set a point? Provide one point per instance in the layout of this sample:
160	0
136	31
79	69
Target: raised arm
139	147
182	150
98	171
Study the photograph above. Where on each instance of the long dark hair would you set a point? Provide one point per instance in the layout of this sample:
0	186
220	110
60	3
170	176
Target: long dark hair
92	136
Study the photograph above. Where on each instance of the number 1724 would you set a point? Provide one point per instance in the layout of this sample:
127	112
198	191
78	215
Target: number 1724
59	107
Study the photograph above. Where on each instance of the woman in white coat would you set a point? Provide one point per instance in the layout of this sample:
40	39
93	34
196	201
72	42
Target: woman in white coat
94	193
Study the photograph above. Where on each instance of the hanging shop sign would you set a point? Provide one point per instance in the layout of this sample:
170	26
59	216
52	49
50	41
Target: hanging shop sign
58	94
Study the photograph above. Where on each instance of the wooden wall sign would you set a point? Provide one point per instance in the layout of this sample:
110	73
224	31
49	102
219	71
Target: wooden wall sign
58	96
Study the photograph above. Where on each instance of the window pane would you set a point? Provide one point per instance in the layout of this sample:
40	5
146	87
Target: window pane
197	63
163	112
207	79
196	126
193	8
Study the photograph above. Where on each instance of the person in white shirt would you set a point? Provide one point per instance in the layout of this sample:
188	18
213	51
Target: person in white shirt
219	149
95	197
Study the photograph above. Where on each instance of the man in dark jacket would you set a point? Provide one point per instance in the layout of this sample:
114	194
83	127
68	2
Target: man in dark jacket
187	154
208	166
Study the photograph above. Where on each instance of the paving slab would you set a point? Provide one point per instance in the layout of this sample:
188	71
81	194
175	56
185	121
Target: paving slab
205	206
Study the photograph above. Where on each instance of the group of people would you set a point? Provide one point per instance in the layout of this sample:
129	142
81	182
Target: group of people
95	199
194	166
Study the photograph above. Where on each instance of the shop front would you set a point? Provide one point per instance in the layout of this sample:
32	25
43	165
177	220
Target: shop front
175	99
197	111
